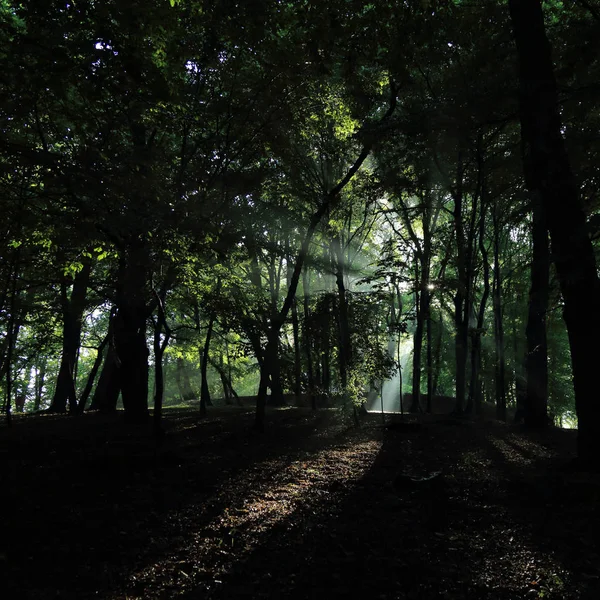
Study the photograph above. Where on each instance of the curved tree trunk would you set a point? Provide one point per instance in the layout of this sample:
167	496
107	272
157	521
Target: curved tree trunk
204	391
326	203
226	381
72	313
107	391
95	368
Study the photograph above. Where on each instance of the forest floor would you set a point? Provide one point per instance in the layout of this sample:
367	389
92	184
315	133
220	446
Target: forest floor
314	508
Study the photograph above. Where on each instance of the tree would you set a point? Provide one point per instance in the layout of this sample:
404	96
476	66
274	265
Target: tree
549	177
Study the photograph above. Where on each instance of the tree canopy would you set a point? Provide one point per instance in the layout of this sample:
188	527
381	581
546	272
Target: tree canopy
208	200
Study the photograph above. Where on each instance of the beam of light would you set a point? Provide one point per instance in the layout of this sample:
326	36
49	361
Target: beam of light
390	398
255	501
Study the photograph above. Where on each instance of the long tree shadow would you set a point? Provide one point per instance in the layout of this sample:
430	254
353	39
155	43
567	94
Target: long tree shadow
93	506
377	530
556	511
379	535
218	512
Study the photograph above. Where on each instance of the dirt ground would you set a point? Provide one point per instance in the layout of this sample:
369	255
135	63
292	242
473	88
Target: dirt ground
438	507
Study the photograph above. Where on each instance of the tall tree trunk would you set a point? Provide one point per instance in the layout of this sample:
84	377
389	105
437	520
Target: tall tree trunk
417	342
476	383
461	339
226	383
500	362
326	204
342	312
273	364
40	380
328	315
159	383
204	391
107	391
228	375
475	393
549	175
160	345
12	335
437	358
223	377
295	327
536	364
95	368
307	339
475	387
429	334
72	313
130	332
297	350
261	400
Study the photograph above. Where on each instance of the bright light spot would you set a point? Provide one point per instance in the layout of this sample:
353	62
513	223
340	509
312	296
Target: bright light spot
192	67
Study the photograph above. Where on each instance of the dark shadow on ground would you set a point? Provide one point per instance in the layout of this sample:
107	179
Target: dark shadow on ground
380	536
91	501
312	509
556	511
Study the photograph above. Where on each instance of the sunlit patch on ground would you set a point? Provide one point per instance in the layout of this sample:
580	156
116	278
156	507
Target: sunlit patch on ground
219	512
267	495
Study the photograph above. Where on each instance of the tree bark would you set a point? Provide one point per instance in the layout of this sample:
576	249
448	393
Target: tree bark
130	332
12	335
536	364
72	313
40	380
325	348
297	350
326	204
462	333
160	345
95	368
204	391
429	334
224	383
307	339
418	341
342	312
549	175
475	393
500	363
107	391
297	385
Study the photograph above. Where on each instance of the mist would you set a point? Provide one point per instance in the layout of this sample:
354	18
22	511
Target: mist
387	397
